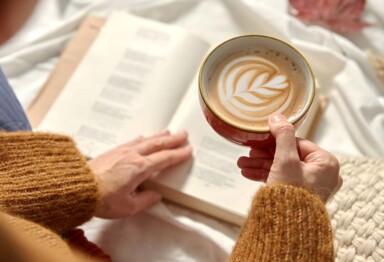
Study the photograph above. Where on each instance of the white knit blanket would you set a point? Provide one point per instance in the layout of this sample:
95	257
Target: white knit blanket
357	211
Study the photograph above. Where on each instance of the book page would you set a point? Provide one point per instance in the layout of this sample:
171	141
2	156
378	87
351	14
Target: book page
213	174
128	84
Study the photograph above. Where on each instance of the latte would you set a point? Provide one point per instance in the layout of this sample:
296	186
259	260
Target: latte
248	86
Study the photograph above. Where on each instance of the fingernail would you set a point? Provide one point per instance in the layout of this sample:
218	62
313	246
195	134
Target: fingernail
277	118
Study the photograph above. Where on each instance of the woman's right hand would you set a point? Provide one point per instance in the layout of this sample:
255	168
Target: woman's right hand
293	161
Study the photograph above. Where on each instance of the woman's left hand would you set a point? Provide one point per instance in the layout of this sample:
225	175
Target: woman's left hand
123	169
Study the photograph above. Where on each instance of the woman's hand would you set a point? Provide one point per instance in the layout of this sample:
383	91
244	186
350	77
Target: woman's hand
293	161
122	170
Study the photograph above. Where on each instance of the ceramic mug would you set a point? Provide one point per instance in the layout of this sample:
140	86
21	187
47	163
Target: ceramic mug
254	51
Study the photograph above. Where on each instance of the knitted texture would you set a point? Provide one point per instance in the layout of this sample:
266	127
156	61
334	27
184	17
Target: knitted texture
357	211
40	234
25	241
286	223
43	178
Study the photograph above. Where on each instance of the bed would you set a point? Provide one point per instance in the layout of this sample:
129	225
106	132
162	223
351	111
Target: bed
349	70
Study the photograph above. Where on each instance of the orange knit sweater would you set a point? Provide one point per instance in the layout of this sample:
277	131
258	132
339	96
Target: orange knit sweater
47	189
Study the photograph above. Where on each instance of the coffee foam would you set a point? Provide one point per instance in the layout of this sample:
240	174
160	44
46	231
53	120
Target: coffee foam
250	86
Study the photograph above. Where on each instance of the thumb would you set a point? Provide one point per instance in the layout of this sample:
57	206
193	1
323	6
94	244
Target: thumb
145	199
284	133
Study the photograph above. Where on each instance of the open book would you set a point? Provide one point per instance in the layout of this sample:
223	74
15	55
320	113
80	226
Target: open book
139	77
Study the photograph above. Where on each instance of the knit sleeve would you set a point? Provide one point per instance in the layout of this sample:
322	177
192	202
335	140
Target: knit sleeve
44	178
285	223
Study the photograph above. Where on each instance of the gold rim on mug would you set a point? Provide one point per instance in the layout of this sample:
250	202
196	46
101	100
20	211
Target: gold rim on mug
295	119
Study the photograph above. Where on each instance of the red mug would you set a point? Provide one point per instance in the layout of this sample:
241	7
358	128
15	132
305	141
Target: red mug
252	136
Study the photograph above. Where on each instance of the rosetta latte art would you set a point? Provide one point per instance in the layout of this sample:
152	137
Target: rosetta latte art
251	88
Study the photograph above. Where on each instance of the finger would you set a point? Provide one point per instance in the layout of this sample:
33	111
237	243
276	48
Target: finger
284	133
310	152
338	186
306	147
255	163
159	161
144	199
162	143
261	153
260	175
140	139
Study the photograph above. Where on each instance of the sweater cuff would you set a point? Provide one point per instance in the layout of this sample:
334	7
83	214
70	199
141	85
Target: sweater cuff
285	223
44	178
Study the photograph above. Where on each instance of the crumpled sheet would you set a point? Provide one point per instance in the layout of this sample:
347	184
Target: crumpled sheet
352	124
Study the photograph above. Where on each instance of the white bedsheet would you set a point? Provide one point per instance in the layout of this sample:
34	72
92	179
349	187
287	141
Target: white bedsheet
352	124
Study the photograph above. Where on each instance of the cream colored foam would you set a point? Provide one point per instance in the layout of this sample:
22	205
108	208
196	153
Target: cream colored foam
247	87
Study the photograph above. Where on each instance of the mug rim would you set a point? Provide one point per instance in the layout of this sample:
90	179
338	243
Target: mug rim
294	120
